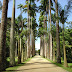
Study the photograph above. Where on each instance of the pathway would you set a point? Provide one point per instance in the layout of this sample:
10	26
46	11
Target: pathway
39	64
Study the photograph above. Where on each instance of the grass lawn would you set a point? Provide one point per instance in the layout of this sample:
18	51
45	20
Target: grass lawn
12	69
69	68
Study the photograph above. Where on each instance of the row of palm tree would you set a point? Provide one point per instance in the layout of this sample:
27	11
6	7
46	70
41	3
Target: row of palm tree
30	35
49	29
60	15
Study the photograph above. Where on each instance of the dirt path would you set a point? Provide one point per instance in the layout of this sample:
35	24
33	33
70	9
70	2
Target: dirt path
38	64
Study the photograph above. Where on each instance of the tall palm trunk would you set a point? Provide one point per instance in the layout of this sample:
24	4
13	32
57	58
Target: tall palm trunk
29	48
32	39
50	32
44	34
19	53
28	36
20	46
45	42
3	35
48	55
16	49
65	59
25	50
33	45
40	46
46	50
53	50
12	48
19	39
22	54
57	35
27	43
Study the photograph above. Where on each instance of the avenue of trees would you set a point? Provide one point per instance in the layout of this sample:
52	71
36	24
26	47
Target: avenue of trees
53	38
18	35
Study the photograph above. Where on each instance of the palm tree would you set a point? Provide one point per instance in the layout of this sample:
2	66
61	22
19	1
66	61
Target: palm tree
34	34
12	50
48	54
19	37
28	32
3	35
40	33
32	15
53	31
43	8
25	9
29	10
50	32
63	20
57	34
20	20
64	13
65	58
16	48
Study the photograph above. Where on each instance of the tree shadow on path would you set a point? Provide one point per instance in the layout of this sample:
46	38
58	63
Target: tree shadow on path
30	69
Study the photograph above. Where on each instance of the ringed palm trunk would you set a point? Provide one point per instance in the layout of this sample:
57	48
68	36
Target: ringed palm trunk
19	54
40	46
12	48
65	59
46	46
3	35
29	47
34	46
44	34
50	32
28	32
22	54
20	47
53	50
48	55
25	50
31	39
46	50
27	43
57	35
16	49
41	51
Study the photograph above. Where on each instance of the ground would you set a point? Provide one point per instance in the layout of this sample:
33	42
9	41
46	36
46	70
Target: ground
39	64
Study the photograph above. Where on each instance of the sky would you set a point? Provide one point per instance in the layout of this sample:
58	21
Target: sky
17	13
